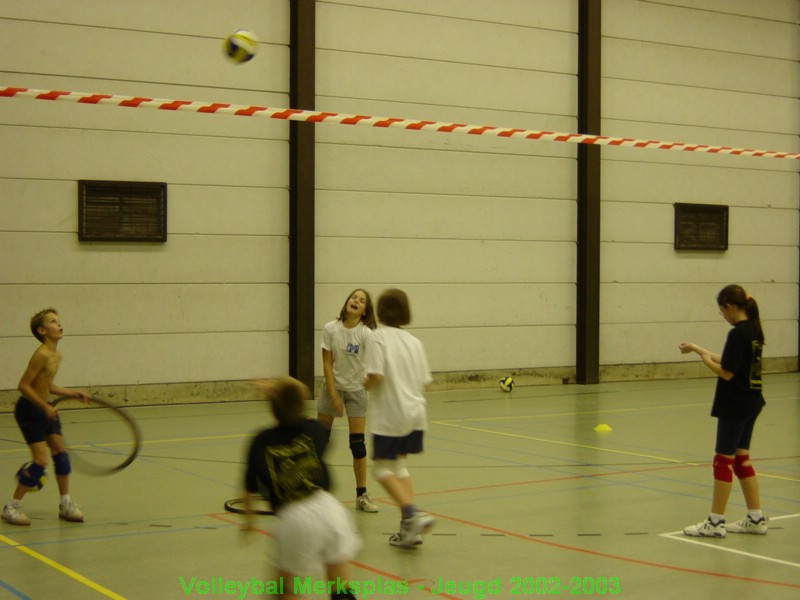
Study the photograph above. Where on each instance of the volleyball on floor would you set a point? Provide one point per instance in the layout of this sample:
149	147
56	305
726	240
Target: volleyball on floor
39	484
507	383
241	45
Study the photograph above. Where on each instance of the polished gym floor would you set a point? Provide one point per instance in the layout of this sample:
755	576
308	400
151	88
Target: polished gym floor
571	490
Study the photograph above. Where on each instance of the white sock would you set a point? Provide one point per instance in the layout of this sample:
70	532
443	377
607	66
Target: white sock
755	515
14	502
715	518
65	498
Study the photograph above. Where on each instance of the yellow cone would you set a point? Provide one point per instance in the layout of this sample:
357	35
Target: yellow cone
602	427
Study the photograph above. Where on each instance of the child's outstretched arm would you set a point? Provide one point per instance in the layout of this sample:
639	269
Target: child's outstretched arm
69	392
247	524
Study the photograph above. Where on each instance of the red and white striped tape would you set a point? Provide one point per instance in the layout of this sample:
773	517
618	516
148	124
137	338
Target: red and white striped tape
310	116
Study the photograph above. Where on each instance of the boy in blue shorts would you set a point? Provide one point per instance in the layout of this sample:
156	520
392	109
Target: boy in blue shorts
38	420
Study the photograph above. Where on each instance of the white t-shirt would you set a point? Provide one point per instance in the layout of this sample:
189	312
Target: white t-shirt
397	406
348	347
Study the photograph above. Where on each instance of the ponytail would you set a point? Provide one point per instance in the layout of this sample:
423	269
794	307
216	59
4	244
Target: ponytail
751	310
736	296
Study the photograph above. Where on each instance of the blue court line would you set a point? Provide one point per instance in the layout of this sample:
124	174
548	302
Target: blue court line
14	592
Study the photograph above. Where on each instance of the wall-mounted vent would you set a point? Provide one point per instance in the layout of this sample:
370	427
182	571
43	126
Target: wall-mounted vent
122	211
701	227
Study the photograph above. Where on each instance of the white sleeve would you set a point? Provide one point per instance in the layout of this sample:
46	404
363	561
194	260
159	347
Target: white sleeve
426	370
375	355
327	336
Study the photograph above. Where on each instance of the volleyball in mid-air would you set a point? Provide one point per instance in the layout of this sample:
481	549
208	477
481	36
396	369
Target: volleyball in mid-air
39	484
507	383
240	45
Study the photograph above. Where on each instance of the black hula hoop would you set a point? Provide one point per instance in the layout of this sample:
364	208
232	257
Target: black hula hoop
234	506
131	425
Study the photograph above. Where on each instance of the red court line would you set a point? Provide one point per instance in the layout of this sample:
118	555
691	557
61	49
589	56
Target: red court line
555	479
584	476
584	550
627	559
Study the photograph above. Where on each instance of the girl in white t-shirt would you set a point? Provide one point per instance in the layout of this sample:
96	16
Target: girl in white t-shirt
397	374
344	345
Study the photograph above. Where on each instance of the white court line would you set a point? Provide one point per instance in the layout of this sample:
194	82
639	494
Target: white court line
679	536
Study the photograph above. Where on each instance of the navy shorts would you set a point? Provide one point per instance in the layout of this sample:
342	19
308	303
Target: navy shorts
385	447
733	434
33	423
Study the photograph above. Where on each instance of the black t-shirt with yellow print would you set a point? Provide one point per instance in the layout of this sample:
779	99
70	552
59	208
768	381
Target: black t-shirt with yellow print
741	397
285	463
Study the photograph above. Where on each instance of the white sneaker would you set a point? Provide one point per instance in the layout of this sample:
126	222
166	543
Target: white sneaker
69	511
706	529
411	530
14	515
419	523
396	539
363	503
747	525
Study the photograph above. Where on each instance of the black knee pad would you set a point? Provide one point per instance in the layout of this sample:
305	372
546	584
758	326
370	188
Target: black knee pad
30	475
357	445
61	463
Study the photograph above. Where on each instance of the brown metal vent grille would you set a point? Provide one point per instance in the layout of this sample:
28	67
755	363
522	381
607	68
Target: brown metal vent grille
122	211
701	227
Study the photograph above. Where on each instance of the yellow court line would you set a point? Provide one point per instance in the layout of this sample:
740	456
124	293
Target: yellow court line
146	442
23	449
577	413
572	444
576	445
58	567
782	478
199	438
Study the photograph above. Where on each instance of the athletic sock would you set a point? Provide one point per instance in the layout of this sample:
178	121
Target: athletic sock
14	502
716	519
65	498
407	511
755	515
360	491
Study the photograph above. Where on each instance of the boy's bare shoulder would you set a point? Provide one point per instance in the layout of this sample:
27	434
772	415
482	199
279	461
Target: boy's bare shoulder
43	351
46	357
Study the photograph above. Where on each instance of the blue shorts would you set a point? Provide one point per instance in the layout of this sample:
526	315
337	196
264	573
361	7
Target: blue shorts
386	447
733	434
33	423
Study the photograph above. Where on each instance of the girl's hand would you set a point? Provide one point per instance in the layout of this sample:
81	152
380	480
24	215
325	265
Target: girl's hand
686	348
338	405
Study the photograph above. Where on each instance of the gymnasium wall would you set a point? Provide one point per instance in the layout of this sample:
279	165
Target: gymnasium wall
479	231
714	72
210	304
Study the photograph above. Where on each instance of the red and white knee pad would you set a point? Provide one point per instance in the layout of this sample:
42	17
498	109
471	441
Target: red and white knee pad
725	467
741	470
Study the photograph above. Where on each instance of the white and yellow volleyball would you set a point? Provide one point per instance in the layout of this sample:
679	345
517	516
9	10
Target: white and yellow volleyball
240	46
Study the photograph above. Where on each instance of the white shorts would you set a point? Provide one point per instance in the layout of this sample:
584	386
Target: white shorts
314	532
